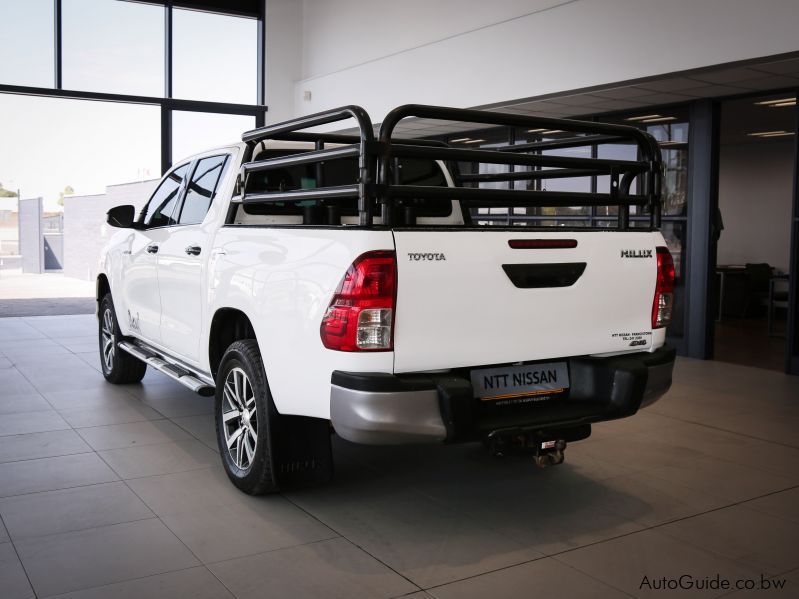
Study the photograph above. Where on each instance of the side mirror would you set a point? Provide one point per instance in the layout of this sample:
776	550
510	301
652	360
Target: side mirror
121	217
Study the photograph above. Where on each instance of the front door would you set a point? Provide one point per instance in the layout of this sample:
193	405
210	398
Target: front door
141	297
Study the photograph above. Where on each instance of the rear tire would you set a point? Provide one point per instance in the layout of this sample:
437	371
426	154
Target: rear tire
263	451
119	367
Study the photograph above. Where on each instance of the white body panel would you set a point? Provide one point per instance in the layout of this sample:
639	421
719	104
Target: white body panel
141	309
465	311
283	279
181	282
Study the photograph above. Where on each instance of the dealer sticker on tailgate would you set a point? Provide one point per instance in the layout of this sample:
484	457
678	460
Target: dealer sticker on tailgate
512	382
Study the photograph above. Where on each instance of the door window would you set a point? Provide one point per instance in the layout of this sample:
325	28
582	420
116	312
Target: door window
160	208
202	189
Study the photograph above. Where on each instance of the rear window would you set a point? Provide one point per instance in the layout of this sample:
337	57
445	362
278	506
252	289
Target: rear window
342	171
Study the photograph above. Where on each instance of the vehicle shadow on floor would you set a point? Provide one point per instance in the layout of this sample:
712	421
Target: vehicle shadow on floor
434	512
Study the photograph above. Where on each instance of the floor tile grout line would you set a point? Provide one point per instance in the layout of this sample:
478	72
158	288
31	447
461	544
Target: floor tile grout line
47	457
93	426
204	564
343	536
134	445
269	551
19	558
55	430
61	533
192	434
126	580
621	536
592	577
656	473
100	484
26	493
207	467
724	430
25	376
426	594
127	478
123	390
680	519
727	460
492	571
172	532
338	536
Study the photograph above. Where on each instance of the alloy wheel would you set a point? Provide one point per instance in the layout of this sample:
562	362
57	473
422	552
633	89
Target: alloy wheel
107	334
239	418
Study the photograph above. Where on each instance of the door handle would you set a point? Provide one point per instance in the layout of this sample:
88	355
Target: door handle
152	249
193	250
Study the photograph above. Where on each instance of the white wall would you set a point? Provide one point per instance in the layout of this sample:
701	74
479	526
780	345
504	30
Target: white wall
85	229
344	33
384	53
755	190
283	24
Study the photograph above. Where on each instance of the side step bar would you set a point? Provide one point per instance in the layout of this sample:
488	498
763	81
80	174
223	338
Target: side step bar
182	375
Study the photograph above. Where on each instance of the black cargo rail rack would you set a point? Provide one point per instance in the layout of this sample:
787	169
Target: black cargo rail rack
376	184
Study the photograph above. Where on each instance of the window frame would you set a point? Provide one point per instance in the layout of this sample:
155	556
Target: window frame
184	192
179	200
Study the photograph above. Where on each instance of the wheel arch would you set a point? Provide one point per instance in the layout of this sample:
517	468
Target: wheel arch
103	288
228	325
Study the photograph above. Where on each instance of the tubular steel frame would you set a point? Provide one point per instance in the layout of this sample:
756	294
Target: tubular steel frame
376	158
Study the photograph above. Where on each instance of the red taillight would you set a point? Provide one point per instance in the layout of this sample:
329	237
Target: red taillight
664	290
360	316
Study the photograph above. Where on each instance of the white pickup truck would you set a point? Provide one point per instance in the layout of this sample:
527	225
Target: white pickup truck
360	284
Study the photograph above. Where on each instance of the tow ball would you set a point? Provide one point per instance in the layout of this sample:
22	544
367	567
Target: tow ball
549	453
545	452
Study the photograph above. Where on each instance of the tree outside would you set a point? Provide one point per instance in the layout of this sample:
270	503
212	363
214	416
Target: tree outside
7	193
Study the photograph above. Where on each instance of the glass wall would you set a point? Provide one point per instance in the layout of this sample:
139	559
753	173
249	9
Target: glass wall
194	132
97	56
215	57
78	156
115	47
26	43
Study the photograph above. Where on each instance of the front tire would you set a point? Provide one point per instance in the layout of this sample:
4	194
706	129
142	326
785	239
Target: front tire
119	367
263	451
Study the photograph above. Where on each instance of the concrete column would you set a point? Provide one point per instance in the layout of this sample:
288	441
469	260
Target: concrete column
31	240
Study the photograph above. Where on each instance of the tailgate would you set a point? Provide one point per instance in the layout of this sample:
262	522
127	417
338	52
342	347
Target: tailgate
467	298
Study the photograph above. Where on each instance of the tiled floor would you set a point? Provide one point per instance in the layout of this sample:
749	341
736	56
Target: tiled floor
118	492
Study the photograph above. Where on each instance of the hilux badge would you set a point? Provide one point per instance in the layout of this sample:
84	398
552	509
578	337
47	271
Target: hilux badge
636	253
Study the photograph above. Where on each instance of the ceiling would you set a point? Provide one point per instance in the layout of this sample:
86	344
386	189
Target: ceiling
756	120
723	80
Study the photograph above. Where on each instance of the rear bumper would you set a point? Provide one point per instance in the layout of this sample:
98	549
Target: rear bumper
387	409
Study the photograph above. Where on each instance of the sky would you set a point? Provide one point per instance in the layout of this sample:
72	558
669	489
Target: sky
114	46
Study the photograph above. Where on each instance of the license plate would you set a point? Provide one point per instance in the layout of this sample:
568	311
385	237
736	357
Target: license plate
517	382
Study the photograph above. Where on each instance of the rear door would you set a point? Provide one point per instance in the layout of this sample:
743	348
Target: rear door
479	297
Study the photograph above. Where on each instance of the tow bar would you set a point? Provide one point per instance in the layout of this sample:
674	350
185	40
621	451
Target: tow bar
545	451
